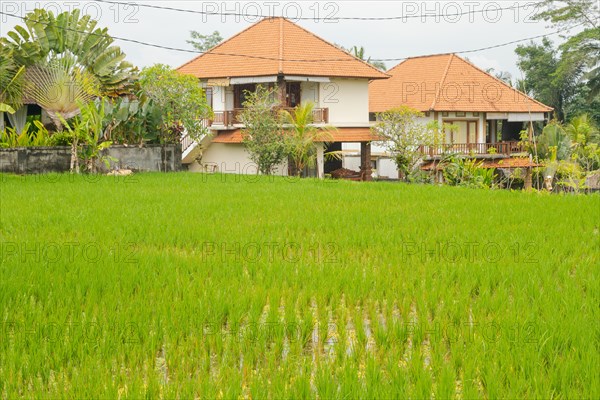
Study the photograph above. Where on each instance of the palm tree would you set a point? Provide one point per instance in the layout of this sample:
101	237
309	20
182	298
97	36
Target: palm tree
60	88
359	52
11	83
582	131
68	61
303	135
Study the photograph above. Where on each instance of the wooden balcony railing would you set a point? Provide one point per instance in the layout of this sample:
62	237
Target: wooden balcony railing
505	148
231	117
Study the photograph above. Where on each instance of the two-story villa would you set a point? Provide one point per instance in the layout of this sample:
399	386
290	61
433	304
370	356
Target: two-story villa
301	67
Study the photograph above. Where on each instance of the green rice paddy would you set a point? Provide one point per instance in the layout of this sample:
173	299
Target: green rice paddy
213	286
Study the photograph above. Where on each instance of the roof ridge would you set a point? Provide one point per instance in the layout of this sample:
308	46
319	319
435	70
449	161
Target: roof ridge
429	55
397	65
281	46
335	47
503	83
444	76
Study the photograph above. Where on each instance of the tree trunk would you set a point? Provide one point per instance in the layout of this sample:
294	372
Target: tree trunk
74	158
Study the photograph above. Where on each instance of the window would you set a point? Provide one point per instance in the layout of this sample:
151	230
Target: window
240	94
293	94
209	96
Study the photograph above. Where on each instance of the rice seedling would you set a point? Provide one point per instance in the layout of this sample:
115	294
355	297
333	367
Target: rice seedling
211	286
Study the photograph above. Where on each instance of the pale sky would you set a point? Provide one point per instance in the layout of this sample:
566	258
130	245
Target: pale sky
381	39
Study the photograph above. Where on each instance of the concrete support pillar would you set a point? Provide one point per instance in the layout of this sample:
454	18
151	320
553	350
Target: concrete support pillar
320	160
365	161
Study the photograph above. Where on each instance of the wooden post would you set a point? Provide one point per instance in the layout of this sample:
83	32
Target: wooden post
529	179
281	91
365	161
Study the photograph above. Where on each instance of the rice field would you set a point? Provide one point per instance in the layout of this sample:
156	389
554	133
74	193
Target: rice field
214	286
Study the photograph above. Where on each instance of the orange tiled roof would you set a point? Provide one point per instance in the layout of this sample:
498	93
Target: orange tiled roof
347	135
447	82
510	163
275	46
503	163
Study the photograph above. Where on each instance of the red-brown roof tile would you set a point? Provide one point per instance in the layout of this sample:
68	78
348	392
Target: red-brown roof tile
447	82
346	135
277	46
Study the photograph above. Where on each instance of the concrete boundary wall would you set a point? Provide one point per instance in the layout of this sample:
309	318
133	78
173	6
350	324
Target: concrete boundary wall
39	160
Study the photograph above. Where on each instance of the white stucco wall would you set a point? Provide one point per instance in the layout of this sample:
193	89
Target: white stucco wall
469	116
229	158
386	168
309	91
218	98
347	100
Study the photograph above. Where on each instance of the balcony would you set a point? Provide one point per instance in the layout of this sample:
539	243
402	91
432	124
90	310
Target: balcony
473	149
227	119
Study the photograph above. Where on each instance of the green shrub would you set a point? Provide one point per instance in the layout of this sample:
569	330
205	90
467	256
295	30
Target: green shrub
60	139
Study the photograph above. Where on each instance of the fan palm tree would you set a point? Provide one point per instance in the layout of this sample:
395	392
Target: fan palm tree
60	87
68	61
47	37
303	135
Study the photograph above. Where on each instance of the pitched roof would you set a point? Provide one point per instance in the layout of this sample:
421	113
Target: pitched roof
346	135
275	46
447	82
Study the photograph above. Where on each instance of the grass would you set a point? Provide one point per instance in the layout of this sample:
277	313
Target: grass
185	285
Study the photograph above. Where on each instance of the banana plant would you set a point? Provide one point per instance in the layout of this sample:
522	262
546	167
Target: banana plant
89	129
11	83
68	61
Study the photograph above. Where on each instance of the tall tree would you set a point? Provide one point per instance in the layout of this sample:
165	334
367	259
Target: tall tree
402	135
204	43
540	63
181	100
263	132
581	51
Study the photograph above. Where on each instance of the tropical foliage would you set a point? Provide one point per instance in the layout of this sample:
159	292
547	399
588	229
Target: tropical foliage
570	153
460	171
360	53
32	135
204	43
302	136
11	81
68	61
263	131
47	38
566	77
181	100
402	134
